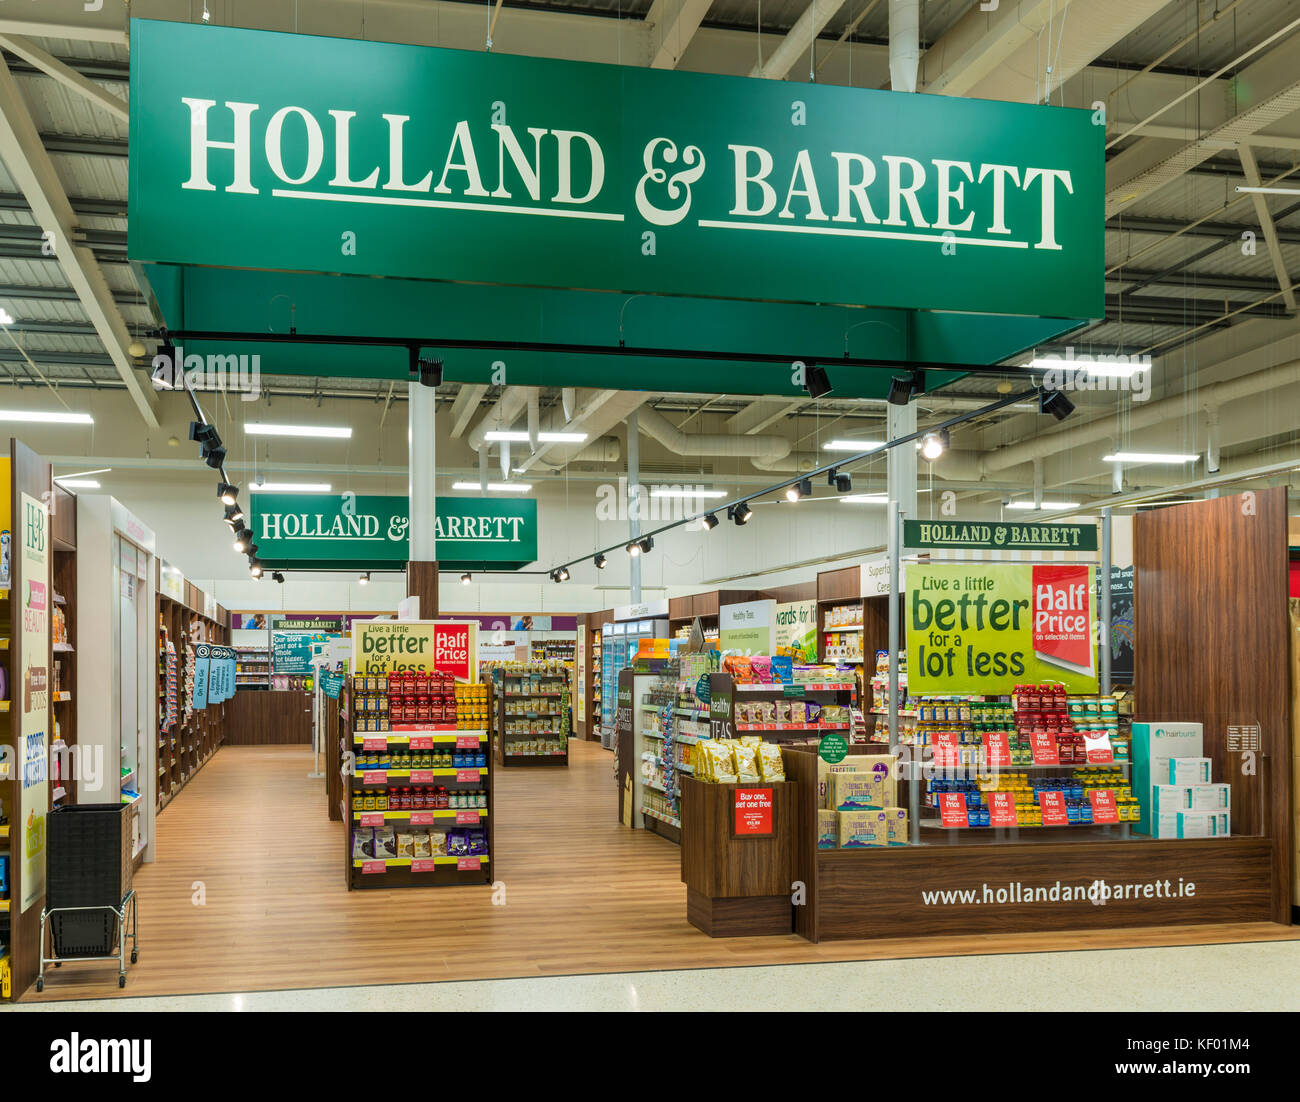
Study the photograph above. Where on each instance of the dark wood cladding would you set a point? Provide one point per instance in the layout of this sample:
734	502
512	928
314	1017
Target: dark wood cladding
260	717
844	584
747	916
63	519
878	893
715	862
801	591
422	582
1210	603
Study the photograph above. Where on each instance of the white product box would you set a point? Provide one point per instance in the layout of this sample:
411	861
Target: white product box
1203	824
1153	745
1211	797
1165	824
1171	797
1189	770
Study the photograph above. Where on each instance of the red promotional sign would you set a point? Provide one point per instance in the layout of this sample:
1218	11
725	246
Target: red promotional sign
421	818
1103	806
423	864
463	775
469	864
952	809
1098	748
421	742
1002	809
1044	747
374	776
372	819
997	750
466	817
1063	617
368	867
753	810
374	744
947	748
422	776
467	742
451	651
1053	805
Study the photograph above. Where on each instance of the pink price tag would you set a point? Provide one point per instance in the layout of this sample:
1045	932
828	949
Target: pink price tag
464	775
1044	748
997	751
468	864
467	742
1053	805
422	776
374	776
368	867
1002	809
374	744
466	817
372	819
952	809
423	864
421	742
421	818
1103	806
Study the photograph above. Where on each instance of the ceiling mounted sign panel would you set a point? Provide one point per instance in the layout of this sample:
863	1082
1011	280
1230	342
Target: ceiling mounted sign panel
376	159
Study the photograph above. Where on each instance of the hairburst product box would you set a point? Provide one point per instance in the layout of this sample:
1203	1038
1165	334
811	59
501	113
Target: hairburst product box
1170	797
864	829
1166	824
1154	744
1211	797
1204	824
1189	770
828	829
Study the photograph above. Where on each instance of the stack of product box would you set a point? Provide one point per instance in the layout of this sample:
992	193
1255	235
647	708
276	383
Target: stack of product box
858	803
1174	783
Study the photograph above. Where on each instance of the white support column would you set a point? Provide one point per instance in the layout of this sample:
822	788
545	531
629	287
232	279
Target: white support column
421	485
634	504
902	460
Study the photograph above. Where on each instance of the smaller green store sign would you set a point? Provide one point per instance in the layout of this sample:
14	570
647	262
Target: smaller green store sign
369	532
974	535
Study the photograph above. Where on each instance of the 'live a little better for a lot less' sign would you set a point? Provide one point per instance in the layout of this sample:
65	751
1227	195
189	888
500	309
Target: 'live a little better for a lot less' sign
415	646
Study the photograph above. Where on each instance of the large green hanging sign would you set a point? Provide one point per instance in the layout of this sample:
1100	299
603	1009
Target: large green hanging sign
361	531
376	159
996	536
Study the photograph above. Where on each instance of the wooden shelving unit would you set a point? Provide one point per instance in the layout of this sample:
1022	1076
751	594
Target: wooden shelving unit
549	694
186	746
63	656
252	668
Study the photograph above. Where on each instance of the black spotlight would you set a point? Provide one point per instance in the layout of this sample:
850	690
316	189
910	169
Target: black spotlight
816	382
802	488
254	567
740	513
465	578
234	515
843	483
1056	403
243	540
431	373
710	521
900	390
600	561
563	574
277	577
227	493
214	457
204	434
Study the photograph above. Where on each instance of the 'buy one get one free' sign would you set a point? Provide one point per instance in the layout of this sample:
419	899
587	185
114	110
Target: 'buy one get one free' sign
987	629
416	646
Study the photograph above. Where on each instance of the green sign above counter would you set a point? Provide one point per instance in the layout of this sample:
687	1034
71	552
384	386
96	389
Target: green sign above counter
477	167
987	536
361	531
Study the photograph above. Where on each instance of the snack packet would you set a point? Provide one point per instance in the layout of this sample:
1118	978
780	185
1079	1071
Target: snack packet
770	765
720	765
746	763
420	844
385	843
363	844
405	844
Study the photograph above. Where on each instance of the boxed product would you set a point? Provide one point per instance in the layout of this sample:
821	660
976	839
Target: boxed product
1210	797
1203	824
884	765
1153	745
855	791
1189	770
896	826
1166	823
863	829
1170	797
828	829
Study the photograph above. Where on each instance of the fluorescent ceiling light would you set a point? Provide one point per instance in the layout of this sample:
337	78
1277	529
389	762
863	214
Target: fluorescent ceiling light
496	487
1044	505
1158	501
1104	368
1149	457
78	483
46	417
853	445
6	318
677	491
1269	190
290	487
866	499
510	435
256	428
81	474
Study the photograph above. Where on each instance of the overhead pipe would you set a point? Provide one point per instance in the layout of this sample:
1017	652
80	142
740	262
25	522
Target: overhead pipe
904	44
769	448
509	406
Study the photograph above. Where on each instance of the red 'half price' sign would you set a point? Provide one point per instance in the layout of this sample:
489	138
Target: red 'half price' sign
753	811
1103	806
997	750
1044	748
947	748
1098	748
1002	809
1053	805
952	809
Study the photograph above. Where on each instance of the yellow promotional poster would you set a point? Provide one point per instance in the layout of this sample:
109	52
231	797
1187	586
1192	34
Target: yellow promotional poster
33	694
988	628
416	646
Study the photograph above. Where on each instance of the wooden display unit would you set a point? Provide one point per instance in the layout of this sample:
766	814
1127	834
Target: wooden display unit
550	705
63	656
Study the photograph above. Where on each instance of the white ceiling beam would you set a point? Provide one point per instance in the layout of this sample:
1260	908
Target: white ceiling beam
52	66
78	32
1253	179
465	406
31	167
677	30
799	40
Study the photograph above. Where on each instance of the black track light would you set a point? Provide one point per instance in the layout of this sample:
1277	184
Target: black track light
254	567
465	579
600	560
365	578
204	435
816	382
802	488
243	540
562	575
843	483
234	515
647	544
900	390
641	546
277	577
1056	403
710	521
227	493
214	457
740	513
934	444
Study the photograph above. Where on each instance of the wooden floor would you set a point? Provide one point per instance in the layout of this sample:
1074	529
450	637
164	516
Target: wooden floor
583	895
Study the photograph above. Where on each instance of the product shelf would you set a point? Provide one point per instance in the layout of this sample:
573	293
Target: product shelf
438	735
661	817
407	862
792	727
811	687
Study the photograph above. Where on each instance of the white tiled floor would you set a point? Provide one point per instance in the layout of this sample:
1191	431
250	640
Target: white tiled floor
1259	976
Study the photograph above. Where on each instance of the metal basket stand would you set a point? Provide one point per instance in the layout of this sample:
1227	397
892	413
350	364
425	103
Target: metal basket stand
126	908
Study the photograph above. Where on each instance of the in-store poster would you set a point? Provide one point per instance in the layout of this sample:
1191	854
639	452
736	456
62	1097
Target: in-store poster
796	629
746	629
1122	624
202	657
397	646
34	793
988	628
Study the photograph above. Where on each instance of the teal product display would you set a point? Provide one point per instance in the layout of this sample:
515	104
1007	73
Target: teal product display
1189	771
1204	824
1154	745
1211	797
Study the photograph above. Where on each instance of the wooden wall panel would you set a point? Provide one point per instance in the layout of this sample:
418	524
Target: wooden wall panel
258	717
422	582
844	584
1210	600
